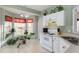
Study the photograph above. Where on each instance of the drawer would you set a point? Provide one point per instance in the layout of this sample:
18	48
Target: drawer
46	38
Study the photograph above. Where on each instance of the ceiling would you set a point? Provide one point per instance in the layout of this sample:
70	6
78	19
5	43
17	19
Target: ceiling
38	7
26	9
17	11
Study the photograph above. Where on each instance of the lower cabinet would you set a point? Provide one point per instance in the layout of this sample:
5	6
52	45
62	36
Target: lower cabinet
54	44
47	42
60	45
64	45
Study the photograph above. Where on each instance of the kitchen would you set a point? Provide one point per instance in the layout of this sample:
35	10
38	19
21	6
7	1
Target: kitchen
53	38
53	28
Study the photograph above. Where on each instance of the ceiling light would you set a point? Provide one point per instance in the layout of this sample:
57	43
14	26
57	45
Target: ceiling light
26	16
22	15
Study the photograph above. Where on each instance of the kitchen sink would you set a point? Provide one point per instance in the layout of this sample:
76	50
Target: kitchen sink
73	40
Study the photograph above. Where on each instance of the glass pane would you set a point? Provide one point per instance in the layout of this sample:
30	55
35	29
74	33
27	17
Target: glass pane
30	27
0	33
7	28
19	28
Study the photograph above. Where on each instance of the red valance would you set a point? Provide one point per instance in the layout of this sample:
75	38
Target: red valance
18	20
8	18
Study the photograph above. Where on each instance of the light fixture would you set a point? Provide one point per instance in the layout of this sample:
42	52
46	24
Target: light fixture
26	16
22	15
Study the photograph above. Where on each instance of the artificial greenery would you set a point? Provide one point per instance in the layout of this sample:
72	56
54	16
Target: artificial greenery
56	9
11	42
21	38
60	8
12	30
7	35
18	45
26	32
32	33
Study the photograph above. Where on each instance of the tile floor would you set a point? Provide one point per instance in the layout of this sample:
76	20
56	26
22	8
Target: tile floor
32	46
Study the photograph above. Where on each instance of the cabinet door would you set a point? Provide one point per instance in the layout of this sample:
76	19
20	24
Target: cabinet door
53	17
63	45
45	20
47	41
60	18
41	40
55	44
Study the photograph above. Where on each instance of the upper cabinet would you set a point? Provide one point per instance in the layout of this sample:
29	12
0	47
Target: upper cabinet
45	20
60	18
54	17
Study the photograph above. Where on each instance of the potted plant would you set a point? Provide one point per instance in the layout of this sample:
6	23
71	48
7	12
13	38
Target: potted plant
12	30
26	32
11	41
23	39
7	35
25	36
20	39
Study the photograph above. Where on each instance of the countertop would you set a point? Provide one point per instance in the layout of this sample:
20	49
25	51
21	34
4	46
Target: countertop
68	37
74	35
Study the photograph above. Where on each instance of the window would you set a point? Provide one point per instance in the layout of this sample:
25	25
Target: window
30	27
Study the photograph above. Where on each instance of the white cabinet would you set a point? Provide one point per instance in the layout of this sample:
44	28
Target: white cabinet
56	44
53	16
64	45
46	42
60	45
60	18
45	21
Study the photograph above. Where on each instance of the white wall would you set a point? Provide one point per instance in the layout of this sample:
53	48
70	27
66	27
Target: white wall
35	26
40	26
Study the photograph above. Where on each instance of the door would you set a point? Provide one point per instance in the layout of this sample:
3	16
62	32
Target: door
56	45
